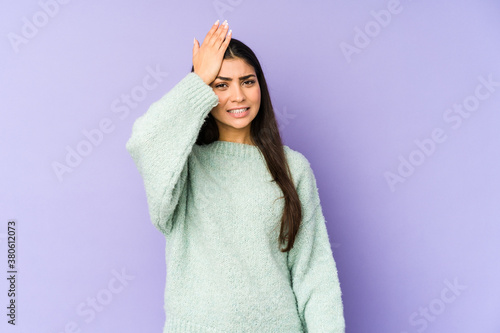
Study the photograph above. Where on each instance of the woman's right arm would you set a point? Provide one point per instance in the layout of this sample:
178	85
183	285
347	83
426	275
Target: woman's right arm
163	137
162	140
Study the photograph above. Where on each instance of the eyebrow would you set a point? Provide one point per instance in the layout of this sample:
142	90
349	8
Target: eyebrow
229	79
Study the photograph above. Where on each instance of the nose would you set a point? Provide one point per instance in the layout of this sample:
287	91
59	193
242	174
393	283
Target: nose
237	95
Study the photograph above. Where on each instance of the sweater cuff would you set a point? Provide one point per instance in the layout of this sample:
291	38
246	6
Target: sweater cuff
198	93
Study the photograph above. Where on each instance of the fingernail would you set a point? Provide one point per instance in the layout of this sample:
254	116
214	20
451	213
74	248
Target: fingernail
216	22
224	23
230	32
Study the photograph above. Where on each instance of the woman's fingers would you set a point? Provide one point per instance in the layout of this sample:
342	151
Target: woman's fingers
227	40
222	34
207	58
218	35
211	32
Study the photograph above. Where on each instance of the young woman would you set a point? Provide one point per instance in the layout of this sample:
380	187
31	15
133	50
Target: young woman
247	247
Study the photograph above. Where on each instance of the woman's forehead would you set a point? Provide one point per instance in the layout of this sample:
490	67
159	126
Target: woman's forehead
235	68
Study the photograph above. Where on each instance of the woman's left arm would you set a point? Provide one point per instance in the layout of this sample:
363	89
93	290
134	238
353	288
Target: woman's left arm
312	266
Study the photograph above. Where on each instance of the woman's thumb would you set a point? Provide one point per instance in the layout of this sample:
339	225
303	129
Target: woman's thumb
196	45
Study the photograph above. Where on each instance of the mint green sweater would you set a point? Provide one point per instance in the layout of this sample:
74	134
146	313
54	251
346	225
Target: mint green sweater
216	206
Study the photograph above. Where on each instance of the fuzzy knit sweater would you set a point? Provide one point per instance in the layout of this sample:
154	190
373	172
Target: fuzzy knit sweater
220	212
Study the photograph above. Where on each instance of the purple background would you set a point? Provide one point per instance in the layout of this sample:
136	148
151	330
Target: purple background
354	117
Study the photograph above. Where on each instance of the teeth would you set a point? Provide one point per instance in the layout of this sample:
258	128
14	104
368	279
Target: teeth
238	110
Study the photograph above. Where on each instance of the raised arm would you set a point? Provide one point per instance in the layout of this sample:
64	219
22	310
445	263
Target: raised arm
163	137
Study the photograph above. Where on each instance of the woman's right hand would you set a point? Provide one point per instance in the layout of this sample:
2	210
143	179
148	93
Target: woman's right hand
207	59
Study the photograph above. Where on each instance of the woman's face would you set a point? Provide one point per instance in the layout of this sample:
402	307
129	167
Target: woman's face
237	87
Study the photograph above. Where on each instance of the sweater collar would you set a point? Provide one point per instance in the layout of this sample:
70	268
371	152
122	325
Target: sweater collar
233	149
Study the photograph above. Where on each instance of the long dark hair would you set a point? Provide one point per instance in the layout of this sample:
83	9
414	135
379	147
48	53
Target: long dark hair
266	136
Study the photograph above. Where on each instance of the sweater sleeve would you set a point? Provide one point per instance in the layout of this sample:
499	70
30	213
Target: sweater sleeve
161	141
312	266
